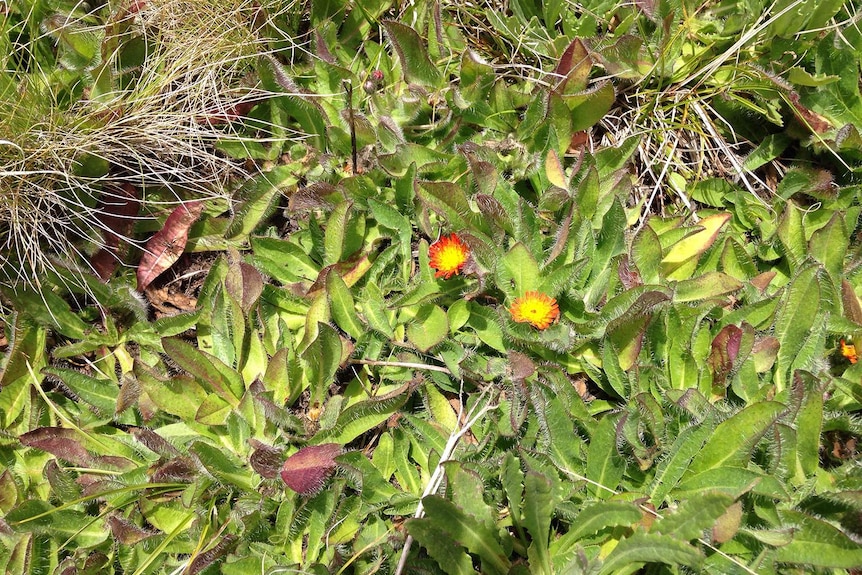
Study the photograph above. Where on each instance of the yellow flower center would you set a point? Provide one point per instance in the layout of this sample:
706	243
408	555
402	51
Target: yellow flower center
448	255
535	308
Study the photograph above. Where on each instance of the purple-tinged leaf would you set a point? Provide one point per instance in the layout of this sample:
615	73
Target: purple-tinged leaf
117	214
182	469
58	442
573	69
265	459
207	558
154	442
307	470
125	532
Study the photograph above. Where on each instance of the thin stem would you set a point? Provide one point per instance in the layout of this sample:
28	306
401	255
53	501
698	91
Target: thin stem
437	476
407	364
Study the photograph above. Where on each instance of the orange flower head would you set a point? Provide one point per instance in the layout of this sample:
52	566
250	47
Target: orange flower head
848	350
448	255
535	308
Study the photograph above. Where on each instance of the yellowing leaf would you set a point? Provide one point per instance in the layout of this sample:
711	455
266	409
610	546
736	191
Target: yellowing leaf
554	170
695	244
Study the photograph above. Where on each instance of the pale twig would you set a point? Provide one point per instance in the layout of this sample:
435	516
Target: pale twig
406	364
733	52
731	156
437	475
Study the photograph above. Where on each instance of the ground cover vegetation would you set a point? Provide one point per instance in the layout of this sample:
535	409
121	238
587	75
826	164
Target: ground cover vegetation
430	287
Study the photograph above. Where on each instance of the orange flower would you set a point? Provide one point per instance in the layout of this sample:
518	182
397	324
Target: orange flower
848	350
448	255
535	308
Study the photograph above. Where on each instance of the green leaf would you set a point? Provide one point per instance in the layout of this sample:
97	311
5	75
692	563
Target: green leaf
428	328
450	202
64	525
817	543
797	314
466	490
26	352
47	308
610	240
770	148
100	393
734	481
439	545
809	423
693	516
518	271
258	198
342	306
611	159
465	530
627	306
841	100
181	396
391	218
613	369
605	466
587	194
596	517
646	252
829	245
627	340
486	324
222	465
538	511
692	246
412	53
590	106
512	480
706	286
207	369
213	410
283	260
791	234
321	360
336	230
642	548
360	418
734	439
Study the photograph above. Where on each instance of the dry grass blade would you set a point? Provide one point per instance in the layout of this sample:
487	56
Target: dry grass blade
158	131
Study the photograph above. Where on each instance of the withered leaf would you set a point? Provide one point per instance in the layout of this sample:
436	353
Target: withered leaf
166	245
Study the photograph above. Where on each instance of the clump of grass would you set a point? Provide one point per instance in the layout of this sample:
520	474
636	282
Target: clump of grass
138	97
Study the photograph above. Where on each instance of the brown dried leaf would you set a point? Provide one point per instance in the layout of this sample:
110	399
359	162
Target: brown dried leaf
628	273
725	349
852	309
809	118
762	281
166	245
177	469
130	391
521	365
728	524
